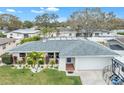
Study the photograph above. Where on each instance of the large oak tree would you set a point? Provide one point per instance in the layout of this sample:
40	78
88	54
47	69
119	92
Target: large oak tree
90	20
10	22
47	22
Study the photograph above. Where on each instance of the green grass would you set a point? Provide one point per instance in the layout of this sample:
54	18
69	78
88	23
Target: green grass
9	76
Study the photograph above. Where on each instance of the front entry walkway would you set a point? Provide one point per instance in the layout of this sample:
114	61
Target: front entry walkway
93	77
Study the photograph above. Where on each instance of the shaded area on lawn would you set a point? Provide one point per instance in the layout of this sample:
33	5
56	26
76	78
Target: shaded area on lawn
45	77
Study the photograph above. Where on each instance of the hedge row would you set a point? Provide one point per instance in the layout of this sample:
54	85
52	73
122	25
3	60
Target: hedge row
7	59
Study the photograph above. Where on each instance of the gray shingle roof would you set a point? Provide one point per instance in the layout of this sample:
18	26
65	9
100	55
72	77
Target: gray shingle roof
66	47
6	40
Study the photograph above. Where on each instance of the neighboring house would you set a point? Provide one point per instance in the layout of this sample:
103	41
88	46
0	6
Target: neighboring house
62	32
70	54
119	30
4	31
99	33
22	33
66	33
6	44
104	34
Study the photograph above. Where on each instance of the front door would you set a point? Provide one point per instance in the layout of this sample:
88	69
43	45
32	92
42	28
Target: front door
70	64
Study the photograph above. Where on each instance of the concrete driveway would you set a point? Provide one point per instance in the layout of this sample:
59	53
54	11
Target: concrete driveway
93	77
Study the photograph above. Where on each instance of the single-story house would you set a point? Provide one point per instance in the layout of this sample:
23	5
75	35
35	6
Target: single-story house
71	54
98	33
22	33
104	33
6	44
66	33
62	32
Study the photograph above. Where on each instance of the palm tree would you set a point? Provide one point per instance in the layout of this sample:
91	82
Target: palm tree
33	58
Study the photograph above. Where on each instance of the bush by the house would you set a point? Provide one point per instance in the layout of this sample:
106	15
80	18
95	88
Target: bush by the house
52	62
34	38
29	61
120	33
2	35
41	61
7	59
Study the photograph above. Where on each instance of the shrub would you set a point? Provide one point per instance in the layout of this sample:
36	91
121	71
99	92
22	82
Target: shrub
120	33
7	59
52	62
29	61
34	38
41	61
2	35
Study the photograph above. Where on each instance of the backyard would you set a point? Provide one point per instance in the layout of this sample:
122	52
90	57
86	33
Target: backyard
9	76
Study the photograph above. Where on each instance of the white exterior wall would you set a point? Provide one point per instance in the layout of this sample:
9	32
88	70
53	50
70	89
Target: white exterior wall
104	34
20	35
8	46
88	63
17	55
67	34
62	64
14	35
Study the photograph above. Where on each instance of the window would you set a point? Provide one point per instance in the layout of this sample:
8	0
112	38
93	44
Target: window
26	35
96	34
122	69
51	55
11	35
57	55
14	41
4	46
70	34
68	60
22	55
108	33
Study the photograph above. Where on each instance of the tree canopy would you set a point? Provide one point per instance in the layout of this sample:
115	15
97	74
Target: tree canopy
9	22
27	24
91	19
46	20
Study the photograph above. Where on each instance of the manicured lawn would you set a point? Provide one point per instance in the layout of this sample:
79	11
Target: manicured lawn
26	77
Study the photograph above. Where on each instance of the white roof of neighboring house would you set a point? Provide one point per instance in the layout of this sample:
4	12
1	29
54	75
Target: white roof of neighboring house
25	31
3	31
121	30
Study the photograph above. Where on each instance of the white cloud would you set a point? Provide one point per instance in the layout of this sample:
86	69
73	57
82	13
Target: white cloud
53	9
43	10
10	10
37	11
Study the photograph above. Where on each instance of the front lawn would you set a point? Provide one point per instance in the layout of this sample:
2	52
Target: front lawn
9	76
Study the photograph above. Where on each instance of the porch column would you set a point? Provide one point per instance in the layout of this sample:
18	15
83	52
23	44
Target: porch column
45	58
13	59
25	58
55	56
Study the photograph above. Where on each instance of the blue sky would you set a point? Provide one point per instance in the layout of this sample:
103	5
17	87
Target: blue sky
29	13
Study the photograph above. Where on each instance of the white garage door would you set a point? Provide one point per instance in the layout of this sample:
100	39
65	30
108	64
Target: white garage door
88	63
